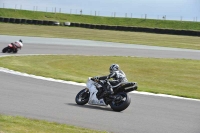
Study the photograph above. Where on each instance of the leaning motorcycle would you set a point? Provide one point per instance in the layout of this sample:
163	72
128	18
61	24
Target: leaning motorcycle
9	49
94	94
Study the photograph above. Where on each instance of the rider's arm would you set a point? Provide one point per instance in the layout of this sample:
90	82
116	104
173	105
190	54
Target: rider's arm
106	77
103	77
111	75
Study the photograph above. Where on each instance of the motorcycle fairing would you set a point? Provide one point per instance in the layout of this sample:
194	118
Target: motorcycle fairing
10	45
93	91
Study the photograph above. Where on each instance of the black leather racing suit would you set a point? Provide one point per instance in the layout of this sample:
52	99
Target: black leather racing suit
118	78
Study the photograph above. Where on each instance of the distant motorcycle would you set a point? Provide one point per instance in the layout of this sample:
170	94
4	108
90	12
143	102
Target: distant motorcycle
10	49
94	94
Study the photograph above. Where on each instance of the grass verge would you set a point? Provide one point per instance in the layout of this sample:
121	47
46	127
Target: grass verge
16	124
178	77
152	23
101	35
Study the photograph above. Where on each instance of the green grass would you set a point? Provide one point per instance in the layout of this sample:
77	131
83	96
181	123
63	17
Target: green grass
169	76
167	24
101	35
16	124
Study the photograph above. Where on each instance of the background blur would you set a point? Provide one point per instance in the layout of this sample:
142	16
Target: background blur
181	10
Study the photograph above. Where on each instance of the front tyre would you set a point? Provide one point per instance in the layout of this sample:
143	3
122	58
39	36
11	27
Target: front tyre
5	50
82	97
121	102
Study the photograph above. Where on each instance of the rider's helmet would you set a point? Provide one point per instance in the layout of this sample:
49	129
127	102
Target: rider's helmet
114	67
21	44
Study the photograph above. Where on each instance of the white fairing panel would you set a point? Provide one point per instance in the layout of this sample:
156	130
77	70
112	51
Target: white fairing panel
93	91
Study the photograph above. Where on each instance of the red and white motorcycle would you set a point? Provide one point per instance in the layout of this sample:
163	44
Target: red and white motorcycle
10	49
13	47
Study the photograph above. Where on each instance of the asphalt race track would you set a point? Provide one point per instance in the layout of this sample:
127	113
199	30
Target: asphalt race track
37	45
53	101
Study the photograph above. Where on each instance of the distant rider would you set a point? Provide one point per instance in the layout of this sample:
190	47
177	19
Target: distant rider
117	75
17	45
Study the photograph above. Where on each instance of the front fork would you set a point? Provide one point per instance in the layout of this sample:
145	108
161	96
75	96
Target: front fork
86	89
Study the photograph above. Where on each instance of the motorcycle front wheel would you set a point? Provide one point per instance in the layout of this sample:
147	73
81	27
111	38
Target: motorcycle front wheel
82	97
121	102
5	50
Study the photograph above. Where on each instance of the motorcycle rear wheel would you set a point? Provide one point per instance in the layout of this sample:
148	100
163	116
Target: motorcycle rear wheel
15	51
121	102
82	97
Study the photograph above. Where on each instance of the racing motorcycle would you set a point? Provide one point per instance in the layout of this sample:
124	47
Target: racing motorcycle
10	49
94	94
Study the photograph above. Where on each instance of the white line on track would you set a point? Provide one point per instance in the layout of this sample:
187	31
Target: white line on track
78	84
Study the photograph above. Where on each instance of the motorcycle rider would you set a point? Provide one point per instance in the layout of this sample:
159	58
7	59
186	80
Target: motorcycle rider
118	77
17	44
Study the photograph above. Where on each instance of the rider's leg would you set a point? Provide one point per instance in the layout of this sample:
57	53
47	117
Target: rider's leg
111	85
14	47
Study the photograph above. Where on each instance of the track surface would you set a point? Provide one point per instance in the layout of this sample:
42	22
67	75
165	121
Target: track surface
53	101
37	45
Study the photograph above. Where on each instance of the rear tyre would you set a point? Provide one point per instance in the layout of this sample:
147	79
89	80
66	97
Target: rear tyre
5	50
15	51
121	102
82	97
